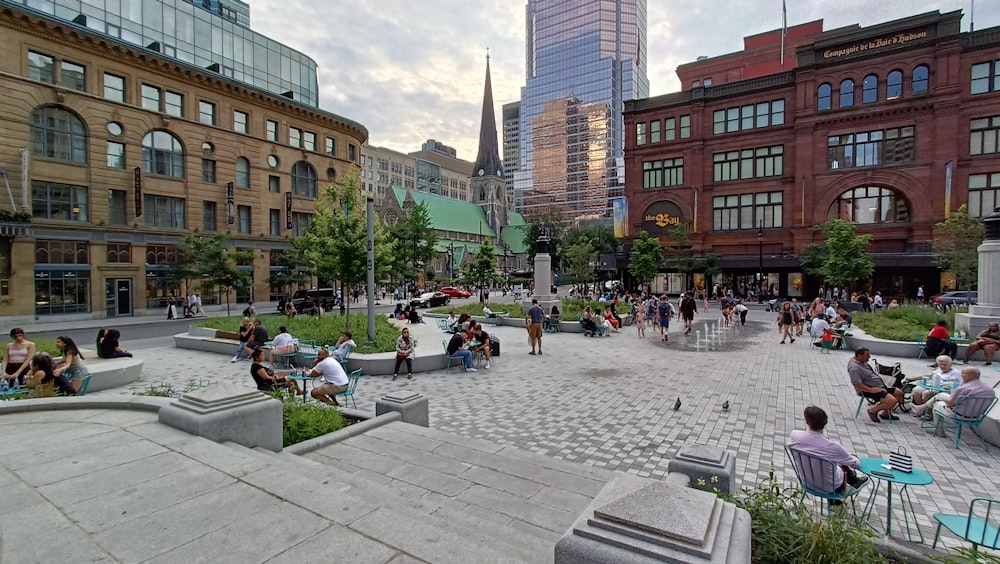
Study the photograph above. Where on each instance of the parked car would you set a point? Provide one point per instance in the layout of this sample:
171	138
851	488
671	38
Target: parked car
963	297
455	292
430	299
304	300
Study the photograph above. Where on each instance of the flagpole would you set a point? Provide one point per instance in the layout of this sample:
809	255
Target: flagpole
784	31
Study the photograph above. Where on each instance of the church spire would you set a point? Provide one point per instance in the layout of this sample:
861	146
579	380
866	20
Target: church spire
488	161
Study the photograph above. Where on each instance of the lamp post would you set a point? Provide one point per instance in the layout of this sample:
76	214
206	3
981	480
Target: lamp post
451	261
760	263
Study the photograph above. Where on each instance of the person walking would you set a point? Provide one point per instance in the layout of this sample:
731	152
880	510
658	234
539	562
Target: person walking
533	321
785	321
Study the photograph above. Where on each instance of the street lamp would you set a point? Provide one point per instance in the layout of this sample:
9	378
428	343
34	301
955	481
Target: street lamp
451	261
760	263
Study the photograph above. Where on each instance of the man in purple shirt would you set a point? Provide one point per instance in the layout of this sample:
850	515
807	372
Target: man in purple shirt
946	404
815	443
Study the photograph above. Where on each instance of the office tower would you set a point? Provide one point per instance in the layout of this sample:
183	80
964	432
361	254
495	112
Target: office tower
511	144
583	60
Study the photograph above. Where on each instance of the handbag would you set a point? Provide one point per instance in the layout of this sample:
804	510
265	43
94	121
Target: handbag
901	461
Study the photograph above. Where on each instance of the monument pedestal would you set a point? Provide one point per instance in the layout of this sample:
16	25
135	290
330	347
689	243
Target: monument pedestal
226	412
543	281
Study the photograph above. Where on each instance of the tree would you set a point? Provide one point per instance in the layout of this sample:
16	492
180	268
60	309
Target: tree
847	259
481	269
957	250
576	260
290	271
600	237
814	258
416	242
549	222
334	246
213	261
646	258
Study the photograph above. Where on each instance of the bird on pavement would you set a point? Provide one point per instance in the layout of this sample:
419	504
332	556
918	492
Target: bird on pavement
725	405
677	404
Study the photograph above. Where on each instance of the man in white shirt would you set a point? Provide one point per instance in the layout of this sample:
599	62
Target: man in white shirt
333	375
281	344
831	313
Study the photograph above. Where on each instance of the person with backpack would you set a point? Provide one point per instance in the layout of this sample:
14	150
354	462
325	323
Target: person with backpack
664	310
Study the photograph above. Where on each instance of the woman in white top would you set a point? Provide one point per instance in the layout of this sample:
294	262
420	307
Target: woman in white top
943	374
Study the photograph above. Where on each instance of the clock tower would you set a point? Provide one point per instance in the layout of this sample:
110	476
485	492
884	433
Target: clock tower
487	186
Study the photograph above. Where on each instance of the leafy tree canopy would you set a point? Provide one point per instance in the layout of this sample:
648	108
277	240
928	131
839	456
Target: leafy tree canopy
847	260
957	247
481	269
646	258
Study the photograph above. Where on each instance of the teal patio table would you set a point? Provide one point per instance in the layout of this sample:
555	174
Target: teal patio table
874	468
305	378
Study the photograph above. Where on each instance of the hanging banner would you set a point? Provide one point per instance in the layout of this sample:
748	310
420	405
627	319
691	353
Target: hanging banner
619	206
949	172
288	211
25	191
230	204
137	189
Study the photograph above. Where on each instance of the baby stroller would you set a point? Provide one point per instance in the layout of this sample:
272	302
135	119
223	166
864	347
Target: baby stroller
893	375
589	327
772	305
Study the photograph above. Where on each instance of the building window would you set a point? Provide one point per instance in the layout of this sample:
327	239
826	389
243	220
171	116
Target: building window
242	173
847	93
58	134
983	135
985	77
331	146
662	173
669	126
150	98
309	141
41	67
894	85
351	152
746	164
162	154
686	126
120	253
300	223
870	204
272	130
62	291
243	219
206	112
209	213
294	137
208	170
114	87
240	121
173	104
116	154
274	183
116	207
304	180
871	148
274	219
654	131
750	116
163	211
161	254
747	211
640	134
983	193
72	76
62	252
869	90
921	80
824	94
59	201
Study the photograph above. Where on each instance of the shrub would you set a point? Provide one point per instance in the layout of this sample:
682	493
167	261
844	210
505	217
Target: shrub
900	323
303	421
324	330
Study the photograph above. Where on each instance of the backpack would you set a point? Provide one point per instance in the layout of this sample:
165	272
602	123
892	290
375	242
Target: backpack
246	312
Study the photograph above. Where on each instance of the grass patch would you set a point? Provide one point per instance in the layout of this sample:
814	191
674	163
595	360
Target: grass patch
571	308
303	421
900	323
324	330
49	346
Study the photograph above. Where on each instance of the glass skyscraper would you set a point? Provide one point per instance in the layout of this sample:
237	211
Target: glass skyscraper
583	60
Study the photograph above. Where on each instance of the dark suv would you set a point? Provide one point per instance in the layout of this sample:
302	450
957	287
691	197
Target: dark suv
305	300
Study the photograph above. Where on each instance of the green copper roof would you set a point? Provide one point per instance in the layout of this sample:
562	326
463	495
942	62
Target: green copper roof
513	236
448	214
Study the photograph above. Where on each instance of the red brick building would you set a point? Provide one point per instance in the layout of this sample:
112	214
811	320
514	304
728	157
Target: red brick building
892	126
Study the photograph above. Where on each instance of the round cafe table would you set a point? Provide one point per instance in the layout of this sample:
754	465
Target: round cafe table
893	477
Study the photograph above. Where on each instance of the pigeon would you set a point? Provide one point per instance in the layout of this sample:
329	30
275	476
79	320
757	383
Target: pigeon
725	405
677	404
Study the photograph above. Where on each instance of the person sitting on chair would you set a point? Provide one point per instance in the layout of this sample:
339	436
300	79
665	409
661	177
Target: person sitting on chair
452	321
971	386
988	341
345	344
938	343
871	386
815	443
266	379
945	372
483	338
587	321
282	343
487	312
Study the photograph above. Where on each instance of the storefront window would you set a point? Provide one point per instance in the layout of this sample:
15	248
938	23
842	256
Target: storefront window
62	291
795	284
160	284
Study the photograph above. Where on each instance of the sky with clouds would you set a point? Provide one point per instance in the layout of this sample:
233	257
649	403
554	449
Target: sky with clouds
411	70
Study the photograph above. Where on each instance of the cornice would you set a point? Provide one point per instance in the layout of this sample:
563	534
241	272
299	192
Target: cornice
69	35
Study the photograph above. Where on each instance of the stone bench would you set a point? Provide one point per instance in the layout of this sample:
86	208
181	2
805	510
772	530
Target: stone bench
107	373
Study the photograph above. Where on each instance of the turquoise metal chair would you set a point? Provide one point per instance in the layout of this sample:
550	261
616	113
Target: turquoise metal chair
83	387
309	353
920	342
965	404
981	526
352	385
449	358
288	359
347	356
817	476
443	325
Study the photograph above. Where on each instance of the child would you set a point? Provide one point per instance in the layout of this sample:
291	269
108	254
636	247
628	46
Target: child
640	322
704	299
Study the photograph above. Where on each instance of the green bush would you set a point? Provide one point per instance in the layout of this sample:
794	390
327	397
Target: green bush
324	330
303	421
787	531
900	323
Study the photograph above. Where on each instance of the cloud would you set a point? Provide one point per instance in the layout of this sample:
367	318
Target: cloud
413	70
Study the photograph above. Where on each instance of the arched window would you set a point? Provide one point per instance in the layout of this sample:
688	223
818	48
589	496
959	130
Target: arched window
242	173
870	204
869	90
921	81
847	93
823	97
162	154
894	85
303	180
58	134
